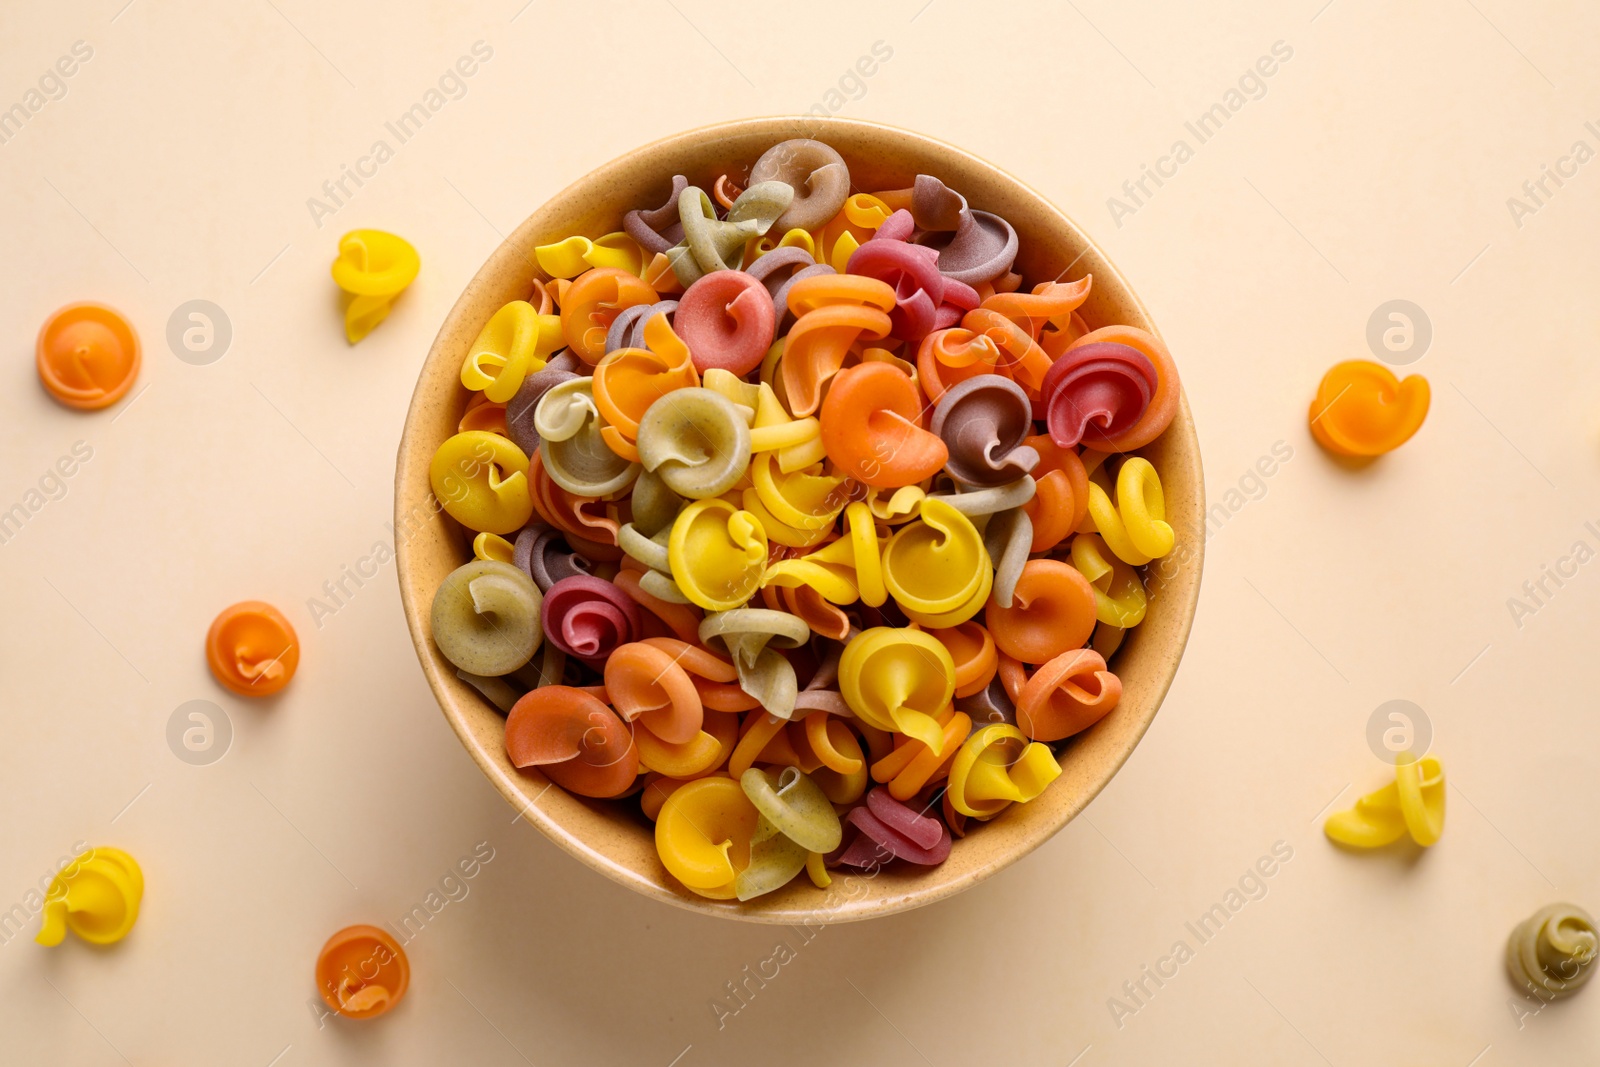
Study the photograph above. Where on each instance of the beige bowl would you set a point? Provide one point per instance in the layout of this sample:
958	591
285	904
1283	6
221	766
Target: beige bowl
612	836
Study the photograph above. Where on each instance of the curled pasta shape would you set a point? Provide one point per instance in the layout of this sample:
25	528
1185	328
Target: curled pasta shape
512	344
485	617
936	568
795	806
1095	393
1020	357
711	244
592	302
752	637
1067	695
898	679
588	618
817	174
1413	803
844	570
727	319
575	739
521	408
834	312
1053	611
1163	401
703	835
807	499
573	256
1135	527
717	554
541	552
891	830
797	442
871	428
1362	409
973	246
590	525
697	441
973	652
953	355
572	443
780	293
1551	954
628	380
1050	304
653	552
1007	538
985	422
481	479
1119	596
646	684
997	767
922	294
657	229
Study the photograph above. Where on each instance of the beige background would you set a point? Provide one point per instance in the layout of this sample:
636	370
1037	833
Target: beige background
1376	166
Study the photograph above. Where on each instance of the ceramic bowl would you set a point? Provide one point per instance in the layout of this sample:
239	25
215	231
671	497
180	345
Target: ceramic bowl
612	836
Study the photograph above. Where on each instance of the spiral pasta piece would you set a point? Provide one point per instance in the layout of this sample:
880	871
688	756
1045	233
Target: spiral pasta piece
712	244
575	739
485	617
1362	409
514	343
1163	404
973	246
696	441
795	806
752	637
814	171
717	554
834	312
521	408
1061	494
1007	538
592	301
1135	527
985	422
644	683
541	552
703	835
890	830
589	618
1551	954
997	767
627	381
1095	393
1050	304
936	568
871	428
573	256
572	442
1411	804
844	570
1119	596
1066	696
727	320
897	679
1053	611
481	479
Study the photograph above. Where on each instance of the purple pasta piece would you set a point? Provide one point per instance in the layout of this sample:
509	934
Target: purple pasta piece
817	174
520	409
653	229
972	246
877	837
984	421
544	554
764	267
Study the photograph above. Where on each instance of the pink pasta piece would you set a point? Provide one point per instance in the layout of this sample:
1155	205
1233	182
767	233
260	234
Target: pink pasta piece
588	617
727	320
1096	392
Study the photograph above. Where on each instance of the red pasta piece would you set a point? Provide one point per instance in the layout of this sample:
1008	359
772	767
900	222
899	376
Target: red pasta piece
727	320
588	617
1096	392
578	742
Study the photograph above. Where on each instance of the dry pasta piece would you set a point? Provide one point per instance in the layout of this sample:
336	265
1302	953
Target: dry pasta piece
1053	612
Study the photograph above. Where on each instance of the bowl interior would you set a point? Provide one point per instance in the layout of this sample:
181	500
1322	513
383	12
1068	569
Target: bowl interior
613	836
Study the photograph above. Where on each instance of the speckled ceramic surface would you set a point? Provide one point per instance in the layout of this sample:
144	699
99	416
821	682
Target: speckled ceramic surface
613	837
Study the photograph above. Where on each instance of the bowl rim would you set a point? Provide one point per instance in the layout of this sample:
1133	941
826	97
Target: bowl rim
407	496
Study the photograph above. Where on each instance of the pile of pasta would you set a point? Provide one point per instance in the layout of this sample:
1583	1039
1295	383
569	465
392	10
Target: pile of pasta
800	520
